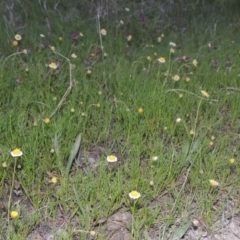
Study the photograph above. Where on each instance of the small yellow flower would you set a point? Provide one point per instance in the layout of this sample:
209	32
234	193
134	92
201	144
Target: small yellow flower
16	152
232	160
122	22
192	132
18	37
41	35
72	110
112	158
92	233
172	50
52	48
204	93
129	38
127	9
98	105
149	58
72	66
73	55
211	143
53	65
140	110
159	39
103	32
188	79
134	195
60	39
54	180
180	95
214	183
47	120
14	214
178	120
80	34
151	183
154	158
25	51
15	43
4	164
176	78
89	72
52	150
195	63
161	60
172	44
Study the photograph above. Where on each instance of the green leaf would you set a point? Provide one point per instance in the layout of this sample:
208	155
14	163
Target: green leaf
73	153
180	232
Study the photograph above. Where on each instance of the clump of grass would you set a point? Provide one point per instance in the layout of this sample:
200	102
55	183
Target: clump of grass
159	99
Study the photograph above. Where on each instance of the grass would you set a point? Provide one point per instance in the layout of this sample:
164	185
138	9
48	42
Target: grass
128	105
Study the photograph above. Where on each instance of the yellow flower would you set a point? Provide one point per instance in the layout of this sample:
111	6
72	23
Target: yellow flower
204	93
103	32
192	132
80	34
127	9
60	38
151	183
176	78
129	38
172	50
98	105
140	110
214	183
4	164
89	72
211	143
16	152
92	233
46	120
72	110
134	195
195	63
232	160
159	39
154	158
52	48
172	44
111	158
14	214
161	60
24	51
18	37
73	55
149	58
188	79
41	35
54	180
15	43
72	66
53	65
180	95
178	120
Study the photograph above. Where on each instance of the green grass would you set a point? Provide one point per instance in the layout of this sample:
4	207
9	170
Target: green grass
104	108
